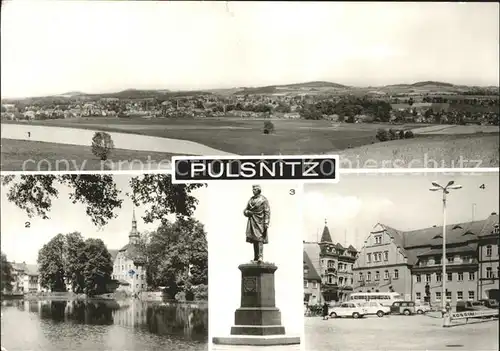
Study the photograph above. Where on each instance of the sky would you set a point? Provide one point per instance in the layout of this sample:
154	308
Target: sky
357	203
227	247
22	244
53	47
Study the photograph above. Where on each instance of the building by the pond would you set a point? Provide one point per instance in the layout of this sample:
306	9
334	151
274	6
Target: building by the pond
25	278
129	265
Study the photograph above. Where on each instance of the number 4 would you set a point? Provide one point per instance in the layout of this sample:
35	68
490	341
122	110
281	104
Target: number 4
482	186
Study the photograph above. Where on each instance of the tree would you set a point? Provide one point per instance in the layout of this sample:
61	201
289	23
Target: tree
98	192
178	256
75	259
382	135
98	267
268	127
102	144
51	264
410	101
7	277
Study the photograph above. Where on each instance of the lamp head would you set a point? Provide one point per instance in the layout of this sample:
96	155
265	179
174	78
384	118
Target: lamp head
435	189
450	183
436	185
455	187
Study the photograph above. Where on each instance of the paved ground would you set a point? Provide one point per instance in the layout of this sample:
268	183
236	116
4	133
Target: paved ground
398	333
126	141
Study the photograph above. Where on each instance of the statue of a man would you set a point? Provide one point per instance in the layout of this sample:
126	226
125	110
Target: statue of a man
258	214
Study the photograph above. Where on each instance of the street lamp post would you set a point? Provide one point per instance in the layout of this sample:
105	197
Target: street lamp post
446	190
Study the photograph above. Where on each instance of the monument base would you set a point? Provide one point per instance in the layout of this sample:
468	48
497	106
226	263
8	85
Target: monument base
248	340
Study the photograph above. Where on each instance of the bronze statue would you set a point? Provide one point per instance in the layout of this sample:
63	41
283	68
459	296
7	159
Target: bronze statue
258	214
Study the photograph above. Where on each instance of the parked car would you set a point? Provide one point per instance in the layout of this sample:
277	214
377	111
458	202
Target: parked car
403	307
490	303
348	309
470	306
374	307
422	307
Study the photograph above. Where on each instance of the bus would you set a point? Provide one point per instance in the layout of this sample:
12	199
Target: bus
385	298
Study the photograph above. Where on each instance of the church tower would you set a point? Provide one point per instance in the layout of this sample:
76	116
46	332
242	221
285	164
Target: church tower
133	237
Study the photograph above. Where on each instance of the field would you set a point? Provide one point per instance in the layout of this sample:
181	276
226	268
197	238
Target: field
434	146
450	151
58	157
242	137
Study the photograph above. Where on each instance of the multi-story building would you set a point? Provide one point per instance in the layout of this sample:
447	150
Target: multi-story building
26	278
489	273
334	264
407	262
383	264
312	283
129	264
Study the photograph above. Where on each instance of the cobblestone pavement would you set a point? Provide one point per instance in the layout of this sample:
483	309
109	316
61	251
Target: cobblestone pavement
414	333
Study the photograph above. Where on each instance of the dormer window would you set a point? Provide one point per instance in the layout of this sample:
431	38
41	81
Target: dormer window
457	227
378	239
495	229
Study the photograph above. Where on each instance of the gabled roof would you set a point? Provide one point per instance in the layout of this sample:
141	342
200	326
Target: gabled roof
113	254
326	237
311	273
352	248
313	251
490	223
340	247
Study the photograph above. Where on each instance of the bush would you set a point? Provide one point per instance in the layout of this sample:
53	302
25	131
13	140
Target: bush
382	135
268	127
200	292
393	135
409	134
401	134
102	144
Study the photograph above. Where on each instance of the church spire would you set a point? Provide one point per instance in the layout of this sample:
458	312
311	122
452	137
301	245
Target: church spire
326	237
134	234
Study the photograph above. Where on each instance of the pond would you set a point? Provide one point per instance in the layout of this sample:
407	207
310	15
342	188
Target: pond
45	325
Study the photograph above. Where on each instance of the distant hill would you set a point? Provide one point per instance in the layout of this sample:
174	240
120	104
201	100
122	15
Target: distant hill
430	82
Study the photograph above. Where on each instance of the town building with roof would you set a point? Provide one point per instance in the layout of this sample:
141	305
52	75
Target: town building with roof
25	278
129	264
407	261
312	282
334	264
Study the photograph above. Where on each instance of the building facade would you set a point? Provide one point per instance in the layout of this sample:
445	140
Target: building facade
407	262
312	283
26	278
334	263
383	265
129	265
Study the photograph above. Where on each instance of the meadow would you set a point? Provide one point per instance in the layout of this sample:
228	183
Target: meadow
242	137
59	157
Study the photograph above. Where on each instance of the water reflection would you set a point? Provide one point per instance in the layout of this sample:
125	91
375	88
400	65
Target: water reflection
105	325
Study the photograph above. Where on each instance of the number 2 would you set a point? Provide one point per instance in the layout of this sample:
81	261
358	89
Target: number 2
27	225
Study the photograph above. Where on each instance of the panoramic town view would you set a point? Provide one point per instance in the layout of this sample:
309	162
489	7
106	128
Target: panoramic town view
380	261
115	278
387	104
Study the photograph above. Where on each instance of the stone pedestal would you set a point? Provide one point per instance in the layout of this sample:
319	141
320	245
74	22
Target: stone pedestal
257	321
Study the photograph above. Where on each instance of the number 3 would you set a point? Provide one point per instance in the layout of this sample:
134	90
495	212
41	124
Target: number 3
292	192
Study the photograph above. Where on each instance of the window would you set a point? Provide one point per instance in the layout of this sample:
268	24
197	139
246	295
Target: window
460	295
438	277
437	260
305	284
489	273
396	274
378	239
368	276
142	286
419	278
449	259
368	257
377	275
495	229
448	295
315	285
471	294
450	276
460	276
360	277
418	296
427	278
386	255
352	281
488	251
386	275
472	276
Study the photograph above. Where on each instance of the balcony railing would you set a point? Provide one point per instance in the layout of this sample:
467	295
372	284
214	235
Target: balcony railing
454	262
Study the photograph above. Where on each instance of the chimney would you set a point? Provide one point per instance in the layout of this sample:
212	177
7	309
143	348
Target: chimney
434	226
